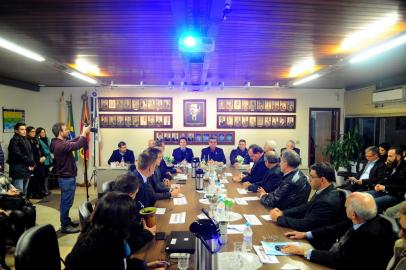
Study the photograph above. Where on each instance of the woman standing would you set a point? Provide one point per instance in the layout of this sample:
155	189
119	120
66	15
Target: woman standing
44	144
35	188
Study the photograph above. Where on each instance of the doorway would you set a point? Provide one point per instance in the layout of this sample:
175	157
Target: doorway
324	127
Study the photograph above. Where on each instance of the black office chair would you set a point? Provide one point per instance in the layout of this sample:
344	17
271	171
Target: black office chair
106	187
394	224
344	193
85	210
38	248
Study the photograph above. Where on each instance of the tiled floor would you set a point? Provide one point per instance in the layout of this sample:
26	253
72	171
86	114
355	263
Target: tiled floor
48	213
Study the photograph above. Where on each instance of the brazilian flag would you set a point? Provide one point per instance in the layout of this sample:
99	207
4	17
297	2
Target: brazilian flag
70	125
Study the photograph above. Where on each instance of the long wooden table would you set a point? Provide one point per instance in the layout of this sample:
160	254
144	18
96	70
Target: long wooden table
156	249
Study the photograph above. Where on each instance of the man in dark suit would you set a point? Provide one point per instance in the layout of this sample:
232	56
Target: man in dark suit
122	154
291	146
364	243
373	171
391	189
293	189
146	164
213	152
272	176
242	151
325	208
258	170
182	153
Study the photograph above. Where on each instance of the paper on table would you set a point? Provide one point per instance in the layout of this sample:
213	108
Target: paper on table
235	229
180	176
289	266
242	191
160	211
179	201
253	198
240	201
224	181
263	257
269	247
202	216
177	218
266	217
252	219
227	174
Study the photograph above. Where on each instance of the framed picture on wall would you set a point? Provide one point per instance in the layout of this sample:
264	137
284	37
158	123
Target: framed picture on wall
11	117
270	105
194	112
135	104
195	137
256	121
135	120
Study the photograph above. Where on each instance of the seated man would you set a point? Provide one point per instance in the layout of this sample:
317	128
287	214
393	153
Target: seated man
394	211
258	170
122	154
166	171
398	260
391	189
364	243
373	171
291	146
325	208
272	176
293	189
213	152
270	146
140	234
182	153
159	184
242	151
146	164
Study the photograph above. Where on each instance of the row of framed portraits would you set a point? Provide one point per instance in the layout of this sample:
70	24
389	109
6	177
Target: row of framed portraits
256	121
136	120
256	105
135	104
195	137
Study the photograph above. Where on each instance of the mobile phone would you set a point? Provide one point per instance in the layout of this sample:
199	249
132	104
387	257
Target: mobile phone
160	236
279	247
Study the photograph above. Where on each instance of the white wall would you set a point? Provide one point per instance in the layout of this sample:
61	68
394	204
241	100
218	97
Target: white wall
42	110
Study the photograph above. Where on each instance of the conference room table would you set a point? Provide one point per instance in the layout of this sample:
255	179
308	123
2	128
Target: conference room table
156	249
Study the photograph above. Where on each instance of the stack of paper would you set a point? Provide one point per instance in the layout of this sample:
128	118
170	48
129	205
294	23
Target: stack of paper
180	176
253	198
266	217
179	201
160	211
235	229
227	174
270	249
177	218
240	201
242	191
263	256
252	219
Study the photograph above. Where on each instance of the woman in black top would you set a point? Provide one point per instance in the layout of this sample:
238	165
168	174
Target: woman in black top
102	244
36	186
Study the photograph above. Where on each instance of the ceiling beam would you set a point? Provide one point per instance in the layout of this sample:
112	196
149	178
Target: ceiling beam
19	84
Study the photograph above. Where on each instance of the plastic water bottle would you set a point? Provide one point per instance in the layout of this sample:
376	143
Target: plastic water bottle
220	209
247	238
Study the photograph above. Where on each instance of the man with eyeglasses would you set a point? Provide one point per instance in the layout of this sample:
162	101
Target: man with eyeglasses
325	208
373	171
365	239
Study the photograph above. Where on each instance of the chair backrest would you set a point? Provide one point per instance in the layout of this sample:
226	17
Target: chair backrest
38	248
85	210
394	224
344	193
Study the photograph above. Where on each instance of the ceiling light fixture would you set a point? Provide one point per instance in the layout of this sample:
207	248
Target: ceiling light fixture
379	49
20	50
307	79
301	67
370	31
83	77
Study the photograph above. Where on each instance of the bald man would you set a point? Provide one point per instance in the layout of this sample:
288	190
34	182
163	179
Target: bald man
364	241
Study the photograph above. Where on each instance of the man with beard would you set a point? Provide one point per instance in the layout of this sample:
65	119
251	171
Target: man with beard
391	189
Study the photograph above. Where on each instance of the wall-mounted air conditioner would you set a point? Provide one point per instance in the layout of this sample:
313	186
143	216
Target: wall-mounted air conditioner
394	94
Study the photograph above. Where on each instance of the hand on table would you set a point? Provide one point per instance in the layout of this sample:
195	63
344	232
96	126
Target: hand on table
296	249
167	182
261	192
275	214
296	235
158	265
246	185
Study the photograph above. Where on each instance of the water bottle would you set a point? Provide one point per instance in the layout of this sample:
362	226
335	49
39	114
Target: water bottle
247	238
220	209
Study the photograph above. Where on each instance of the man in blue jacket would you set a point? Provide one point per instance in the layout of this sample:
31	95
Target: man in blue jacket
182	153
213	152
122	154
242	151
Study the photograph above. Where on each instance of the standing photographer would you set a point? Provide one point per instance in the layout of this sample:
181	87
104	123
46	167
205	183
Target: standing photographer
66	169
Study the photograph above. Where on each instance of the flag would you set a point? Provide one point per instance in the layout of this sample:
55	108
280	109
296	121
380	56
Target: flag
61	115
85	120
70	125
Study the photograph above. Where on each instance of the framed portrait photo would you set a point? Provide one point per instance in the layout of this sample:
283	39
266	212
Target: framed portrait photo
194	112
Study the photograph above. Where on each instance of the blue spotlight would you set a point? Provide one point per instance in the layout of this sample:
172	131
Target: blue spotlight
190	41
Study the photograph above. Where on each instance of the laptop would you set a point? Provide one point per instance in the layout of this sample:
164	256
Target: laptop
181	242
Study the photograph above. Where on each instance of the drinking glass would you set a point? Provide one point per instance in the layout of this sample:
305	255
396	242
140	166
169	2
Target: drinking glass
183	263
238	250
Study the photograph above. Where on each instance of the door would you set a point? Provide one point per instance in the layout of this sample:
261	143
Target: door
324	127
